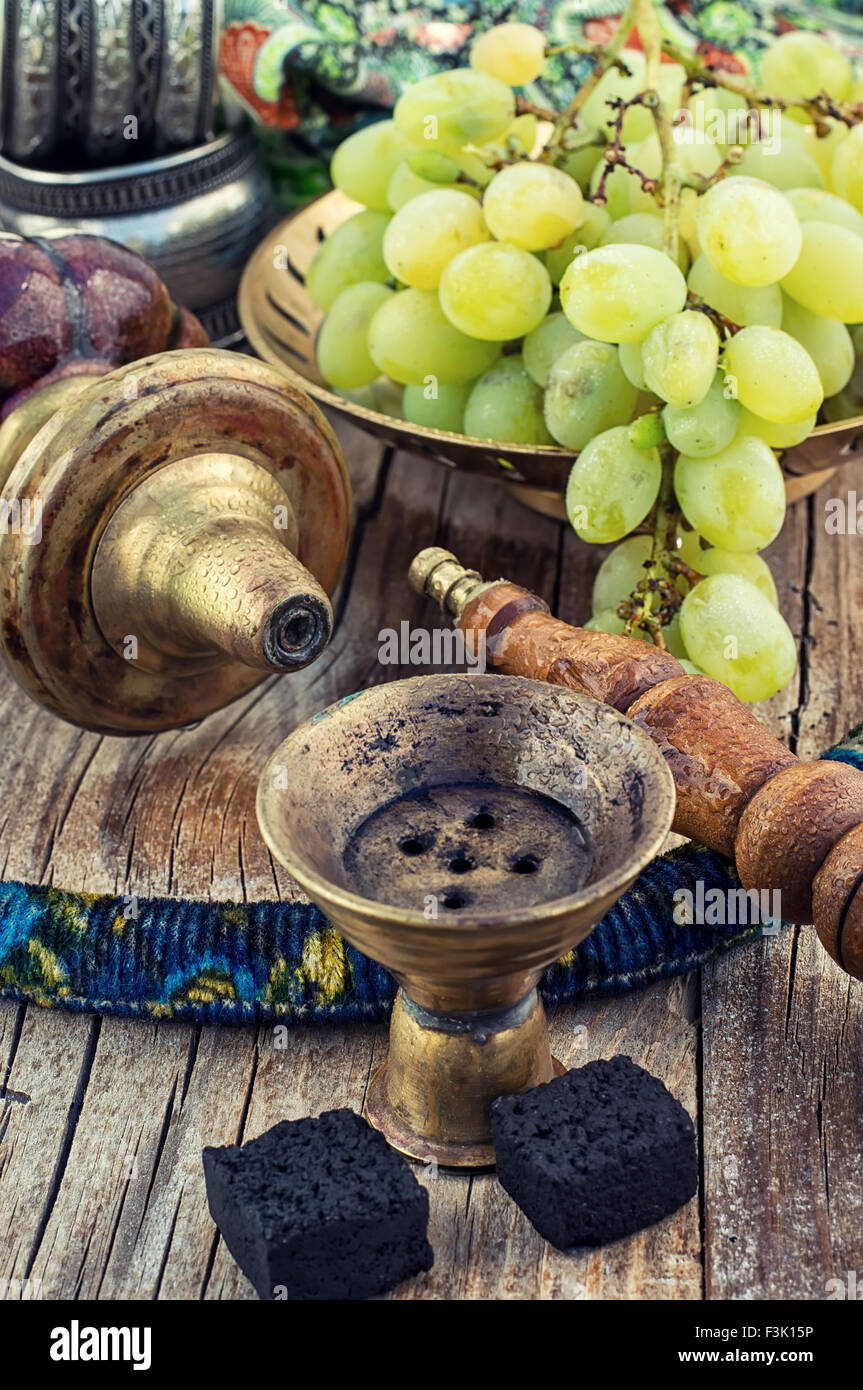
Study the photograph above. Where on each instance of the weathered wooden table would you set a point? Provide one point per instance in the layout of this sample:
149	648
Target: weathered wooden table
102	1121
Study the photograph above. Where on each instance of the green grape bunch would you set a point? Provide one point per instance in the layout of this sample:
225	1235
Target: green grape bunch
665	279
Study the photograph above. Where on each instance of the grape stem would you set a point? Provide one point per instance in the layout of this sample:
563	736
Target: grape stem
671	178
725	326
614	156
638	611
820	108
605	56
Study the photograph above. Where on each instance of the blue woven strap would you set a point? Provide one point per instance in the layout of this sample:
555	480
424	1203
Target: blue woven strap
267	961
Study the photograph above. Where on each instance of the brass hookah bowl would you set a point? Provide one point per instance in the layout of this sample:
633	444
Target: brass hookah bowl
175	517
466	832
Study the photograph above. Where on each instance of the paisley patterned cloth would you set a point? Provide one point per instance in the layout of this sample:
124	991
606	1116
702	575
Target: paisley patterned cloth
285	964
317	68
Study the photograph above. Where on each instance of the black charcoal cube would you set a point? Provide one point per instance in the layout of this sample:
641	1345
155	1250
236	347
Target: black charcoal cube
319	1209
596	1154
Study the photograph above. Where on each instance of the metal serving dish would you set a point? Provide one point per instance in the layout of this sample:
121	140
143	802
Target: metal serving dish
280	321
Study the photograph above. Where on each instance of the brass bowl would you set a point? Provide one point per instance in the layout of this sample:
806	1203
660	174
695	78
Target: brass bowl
280	321
465	832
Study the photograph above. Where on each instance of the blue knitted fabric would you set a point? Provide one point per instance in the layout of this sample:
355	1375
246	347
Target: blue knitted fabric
254	962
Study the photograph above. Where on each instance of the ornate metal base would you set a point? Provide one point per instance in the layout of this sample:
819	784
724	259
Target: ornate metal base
431	1097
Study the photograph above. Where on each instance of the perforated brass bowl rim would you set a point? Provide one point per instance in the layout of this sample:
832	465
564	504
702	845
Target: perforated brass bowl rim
366	921
280	322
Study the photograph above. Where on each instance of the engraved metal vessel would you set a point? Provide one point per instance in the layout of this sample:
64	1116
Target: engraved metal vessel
194	216
109	80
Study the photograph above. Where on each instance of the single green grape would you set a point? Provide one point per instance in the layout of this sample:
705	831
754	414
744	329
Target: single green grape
437	407
773	375
815	205
822	143
827	341
777	436
342	342
633	364
827	276
596	222
495	291
748	231
433	166
547	342
734	633
802	64
643	229
706	428
612	486
673	635
618	293
454	108
581	161
689	548
412	341
751	567
352	252
532	205
760	304
424	236
848	403
783	164
587	393
847	169
620	572
363	165
387	396
646	430
383	395
679	358
736	498
514	53
405	185
506	405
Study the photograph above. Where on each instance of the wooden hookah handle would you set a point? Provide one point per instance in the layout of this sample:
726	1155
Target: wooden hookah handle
792	828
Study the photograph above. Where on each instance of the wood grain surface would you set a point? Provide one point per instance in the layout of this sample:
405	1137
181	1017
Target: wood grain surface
102	1121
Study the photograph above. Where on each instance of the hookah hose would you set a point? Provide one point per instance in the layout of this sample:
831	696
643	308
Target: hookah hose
242	963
